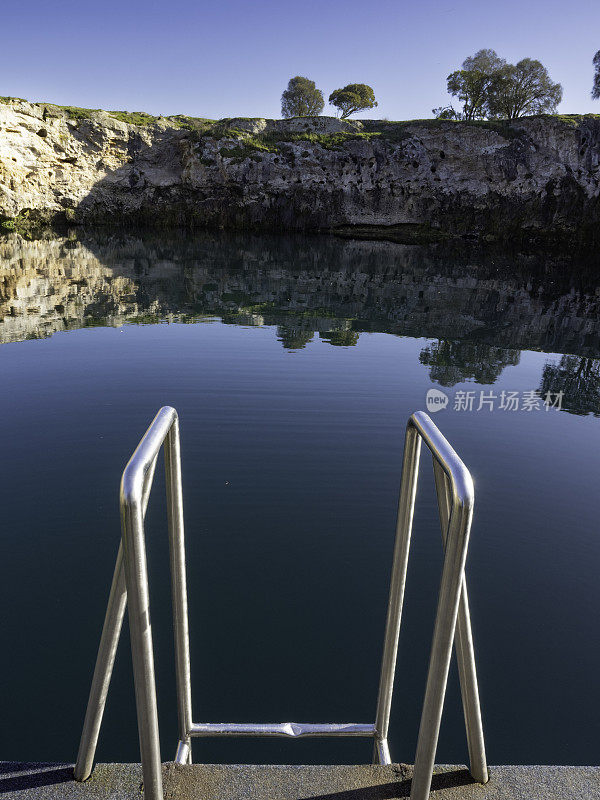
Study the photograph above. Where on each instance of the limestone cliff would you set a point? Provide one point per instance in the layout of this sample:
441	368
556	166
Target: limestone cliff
538	174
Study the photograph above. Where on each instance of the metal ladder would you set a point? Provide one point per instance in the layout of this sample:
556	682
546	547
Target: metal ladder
455	496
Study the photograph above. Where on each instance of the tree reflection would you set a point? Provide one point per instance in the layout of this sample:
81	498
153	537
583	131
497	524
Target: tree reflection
452	362
292	338
340	338
578	379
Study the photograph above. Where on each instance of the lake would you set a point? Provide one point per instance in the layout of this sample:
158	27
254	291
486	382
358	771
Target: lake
294	364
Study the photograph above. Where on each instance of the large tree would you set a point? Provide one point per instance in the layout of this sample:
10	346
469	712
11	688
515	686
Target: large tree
596	86
352	98
301	98
471	83
521	89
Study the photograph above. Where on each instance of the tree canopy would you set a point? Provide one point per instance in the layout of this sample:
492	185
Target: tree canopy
301	98
596	86
471	83
446	112
352	98
521	89
489	87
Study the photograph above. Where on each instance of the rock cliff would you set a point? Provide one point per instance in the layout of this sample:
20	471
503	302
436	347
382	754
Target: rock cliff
540	174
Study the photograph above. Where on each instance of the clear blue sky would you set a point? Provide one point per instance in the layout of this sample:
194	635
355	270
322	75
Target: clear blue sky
234	57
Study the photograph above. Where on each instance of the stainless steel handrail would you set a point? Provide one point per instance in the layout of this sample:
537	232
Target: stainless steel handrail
130	587
454	488
455	491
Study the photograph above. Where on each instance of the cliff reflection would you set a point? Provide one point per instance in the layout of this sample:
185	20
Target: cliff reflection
479	312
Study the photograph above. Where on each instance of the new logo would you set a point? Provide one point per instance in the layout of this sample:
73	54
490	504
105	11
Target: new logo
436	400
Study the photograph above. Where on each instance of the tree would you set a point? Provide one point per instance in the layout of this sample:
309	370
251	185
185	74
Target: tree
596	86
451	361
292	338
446	112
340	338
353	97
301	98
522	89
471	83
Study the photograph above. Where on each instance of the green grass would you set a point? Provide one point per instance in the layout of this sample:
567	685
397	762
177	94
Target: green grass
248	144
396	132
328	141
134	117
73	112
570	119
130	117
200	124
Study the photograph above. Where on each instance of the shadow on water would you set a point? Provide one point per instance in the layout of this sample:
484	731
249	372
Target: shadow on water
479	312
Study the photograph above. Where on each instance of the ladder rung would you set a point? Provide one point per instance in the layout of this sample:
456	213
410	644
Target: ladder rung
293	729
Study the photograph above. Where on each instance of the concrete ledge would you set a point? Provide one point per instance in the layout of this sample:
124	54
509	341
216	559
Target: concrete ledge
31	781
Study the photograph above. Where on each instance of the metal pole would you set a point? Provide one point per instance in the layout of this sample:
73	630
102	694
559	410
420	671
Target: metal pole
406	505
441	648
136	573
105	660
465	651
178	586
107	650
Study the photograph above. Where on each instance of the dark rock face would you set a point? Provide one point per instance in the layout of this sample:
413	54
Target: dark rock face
539	175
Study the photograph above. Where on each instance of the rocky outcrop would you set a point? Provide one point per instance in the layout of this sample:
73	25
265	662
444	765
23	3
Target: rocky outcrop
539	174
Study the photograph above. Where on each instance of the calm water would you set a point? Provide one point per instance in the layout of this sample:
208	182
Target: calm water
294	364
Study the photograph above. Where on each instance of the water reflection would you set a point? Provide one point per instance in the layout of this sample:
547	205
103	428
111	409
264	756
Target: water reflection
579	380
452	362
479	312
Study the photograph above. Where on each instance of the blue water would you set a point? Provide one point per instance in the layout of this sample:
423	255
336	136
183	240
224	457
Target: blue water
291	465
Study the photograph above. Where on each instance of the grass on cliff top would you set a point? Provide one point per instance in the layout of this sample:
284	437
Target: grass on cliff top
394	131
249	144
569	119
140	118
177	120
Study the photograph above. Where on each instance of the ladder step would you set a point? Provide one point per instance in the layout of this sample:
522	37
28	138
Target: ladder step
293	729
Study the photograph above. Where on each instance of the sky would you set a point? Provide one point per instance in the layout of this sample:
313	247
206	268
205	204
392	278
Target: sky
229	58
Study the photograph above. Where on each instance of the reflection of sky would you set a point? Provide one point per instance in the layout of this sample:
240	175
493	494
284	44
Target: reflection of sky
291	470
